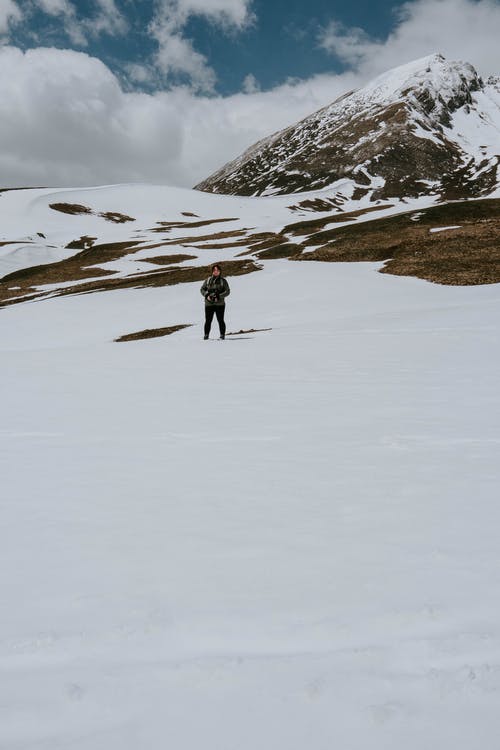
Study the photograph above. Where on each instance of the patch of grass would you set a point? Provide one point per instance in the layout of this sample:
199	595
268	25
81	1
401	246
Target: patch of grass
193	241
74	209
319	204
464	256
165	260
313	225
270	245
287	250
73	269
28	278
9	190
220	245
16	242
116	217
167	225
152	333
82	244
265	240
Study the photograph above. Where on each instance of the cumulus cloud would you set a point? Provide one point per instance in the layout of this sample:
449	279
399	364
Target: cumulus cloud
10	13
176	54
65	120
459	29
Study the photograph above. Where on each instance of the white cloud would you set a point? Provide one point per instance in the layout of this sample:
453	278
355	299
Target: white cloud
107	19
9	14
64	120
250	84
176	54
56	7
347	44
459	29
233	12
67	12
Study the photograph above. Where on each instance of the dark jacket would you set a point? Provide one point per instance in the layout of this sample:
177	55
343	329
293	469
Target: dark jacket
215	289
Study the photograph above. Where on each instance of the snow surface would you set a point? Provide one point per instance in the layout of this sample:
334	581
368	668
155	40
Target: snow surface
288	539
444	229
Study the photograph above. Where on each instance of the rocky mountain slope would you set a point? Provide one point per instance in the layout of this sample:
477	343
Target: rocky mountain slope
431	127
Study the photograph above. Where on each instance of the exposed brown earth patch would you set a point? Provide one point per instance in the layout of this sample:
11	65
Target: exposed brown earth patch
467	255
188	213
313	225
164	260
216	241
319	204
82	244
16	242
64	271
10	190
287	250
116	217
270	245
74	209
168	225
152	333
221	245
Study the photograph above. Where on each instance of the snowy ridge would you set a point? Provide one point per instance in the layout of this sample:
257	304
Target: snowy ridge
408	126
32	233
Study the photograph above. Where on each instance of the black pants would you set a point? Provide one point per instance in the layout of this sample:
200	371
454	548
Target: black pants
209	314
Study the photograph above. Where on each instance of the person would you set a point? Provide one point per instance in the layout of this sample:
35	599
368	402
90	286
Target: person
215	289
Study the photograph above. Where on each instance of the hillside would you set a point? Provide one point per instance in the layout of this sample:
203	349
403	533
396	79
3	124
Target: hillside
59	243
431	127
302	520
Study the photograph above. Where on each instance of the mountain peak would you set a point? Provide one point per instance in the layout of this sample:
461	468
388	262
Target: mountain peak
422	127
431	78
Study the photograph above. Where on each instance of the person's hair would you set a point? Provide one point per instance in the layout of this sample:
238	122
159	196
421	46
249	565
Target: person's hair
216	265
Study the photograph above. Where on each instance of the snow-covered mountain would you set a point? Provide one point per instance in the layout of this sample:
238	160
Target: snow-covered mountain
429	127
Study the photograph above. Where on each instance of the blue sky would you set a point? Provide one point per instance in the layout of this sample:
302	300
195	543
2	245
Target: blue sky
283	42
277	40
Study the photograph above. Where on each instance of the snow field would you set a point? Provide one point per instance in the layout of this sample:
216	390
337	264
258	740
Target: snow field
284	540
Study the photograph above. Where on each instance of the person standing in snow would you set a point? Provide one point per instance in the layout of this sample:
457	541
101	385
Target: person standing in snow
215	290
